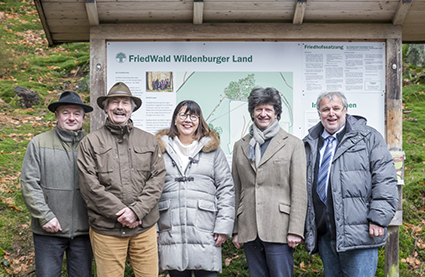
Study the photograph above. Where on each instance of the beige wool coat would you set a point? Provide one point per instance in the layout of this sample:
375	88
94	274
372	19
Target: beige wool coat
271	200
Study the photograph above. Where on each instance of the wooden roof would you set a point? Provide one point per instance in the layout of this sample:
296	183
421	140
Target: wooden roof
71	20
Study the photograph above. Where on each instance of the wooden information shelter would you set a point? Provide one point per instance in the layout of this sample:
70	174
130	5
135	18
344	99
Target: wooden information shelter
99	21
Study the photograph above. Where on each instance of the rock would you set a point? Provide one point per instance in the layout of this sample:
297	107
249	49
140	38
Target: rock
28	98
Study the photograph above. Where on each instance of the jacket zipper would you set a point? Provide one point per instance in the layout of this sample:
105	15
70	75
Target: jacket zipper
73	185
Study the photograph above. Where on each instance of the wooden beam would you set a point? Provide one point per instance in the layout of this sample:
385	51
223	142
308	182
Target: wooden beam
198	11
245	31
394	117
92	13
402	9
97	81
299	12
42	15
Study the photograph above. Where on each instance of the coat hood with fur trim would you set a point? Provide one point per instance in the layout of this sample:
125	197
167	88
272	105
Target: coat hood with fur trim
210	142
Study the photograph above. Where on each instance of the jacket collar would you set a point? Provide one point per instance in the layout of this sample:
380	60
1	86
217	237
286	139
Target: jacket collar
355	130
208	144
119	130
276	143
69	136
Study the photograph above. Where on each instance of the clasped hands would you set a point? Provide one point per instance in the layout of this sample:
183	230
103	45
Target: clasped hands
128	218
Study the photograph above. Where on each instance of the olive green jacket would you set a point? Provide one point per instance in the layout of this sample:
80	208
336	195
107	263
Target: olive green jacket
120	166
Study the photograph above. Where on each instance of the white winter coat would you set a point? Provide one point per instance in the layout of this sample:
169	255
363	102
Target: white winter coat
197	202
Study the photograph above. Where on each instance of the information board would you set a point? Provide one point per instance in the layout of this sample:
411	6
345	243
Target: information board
220	75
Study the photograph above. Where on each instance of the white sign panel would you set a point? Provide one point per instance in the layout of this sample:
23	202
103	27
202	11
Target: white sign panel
220	75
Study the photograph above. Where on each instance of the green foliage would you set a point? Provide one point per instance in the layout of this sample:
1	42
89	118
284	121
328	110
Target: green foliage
6	91
413	144
411	233
404	49
14	147
236	260
414	74
5	54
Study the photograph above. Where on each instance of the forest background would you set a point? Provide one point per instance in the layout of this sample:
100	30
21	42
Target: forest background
26	62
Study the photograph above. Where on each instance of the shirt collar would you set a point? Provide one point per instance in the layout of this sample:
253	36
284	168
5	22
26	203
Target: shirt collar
325	133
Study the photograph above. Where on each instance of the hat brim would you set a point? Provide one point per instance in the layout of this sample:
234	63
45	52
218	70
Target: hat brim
137	100
53	106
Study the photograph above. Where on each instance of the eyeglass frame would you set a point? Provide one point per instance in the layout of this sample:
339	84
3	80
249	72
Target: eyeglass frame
192	117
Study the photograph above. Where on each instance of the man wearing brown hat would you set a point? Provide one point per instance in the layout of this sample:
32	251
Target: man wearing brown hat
49	184
121	178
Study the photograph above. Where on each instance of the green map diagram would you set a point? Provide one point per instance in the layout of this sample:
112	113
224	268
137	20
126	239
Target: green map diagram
223	97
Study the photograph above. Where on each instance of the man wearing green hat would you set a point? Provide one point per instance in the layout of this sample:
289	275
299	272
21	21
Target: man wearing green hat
121	178
49	184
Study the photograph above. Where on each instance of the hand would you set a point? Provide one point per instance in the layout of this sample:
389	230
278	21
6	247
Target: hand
375	230
293	240
128	218
235	241
52	226
219	239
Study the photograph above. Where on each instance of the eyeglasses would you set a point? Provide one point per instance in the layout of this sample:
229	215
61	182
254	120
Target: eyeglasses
192	117
326	111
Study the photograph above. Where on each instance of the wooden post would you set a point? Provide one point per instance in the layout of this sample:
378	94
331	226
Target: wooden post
394	142
97	81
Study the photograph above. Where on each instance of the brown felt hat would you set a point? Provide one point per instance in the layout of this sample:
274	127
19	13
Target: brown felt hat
119	90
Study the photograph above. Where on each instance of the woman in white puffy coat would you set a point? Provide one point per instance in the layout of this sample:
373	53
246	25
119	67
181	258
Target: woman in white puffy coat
197	204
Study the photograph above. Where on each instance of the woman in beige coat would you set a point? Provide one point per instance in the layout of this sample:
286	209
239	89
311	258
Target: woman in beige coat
269	172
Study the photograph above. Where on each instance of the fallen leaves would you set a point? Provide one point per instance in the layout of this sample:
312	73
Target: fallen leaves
10	206
228	260
414	262
7	183
305	267
415	228
416	232
19	265
18	138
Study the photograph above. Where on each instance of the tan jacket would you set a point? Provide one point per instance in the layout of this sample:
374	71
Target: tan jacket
271	200
120	167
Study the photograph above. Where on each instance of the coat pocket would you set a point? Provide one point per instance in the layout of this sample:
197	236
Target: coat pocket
283	208
205	216
165	215
141	158
105	163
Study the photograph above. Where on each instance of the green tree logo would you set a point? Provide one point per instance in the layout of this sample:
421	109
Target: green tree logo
121	57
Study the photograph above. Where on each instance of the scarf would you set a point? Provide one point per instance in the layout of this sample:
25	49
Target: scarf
258	138
184	152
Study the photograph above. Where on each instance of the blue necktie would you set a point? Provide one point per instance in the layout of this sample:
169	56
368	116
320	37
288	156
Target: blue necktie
324	169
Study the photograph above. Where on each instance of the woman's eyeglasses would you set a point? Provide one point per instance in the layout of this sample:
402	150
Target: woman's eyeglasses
192	117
